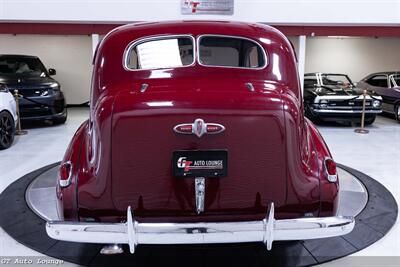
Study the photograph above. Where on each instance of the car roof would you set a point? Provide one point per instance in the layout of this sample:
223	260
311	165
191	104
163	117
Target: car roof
195	27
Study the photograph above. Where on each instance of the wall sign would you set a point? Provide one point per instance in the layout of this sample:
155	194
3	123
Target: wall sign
193	7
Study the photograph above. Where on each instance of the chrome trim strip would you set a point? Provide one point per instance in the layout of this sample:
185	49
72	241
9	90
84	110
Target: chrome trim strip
152	38
135	233
391	77
266	61
339	111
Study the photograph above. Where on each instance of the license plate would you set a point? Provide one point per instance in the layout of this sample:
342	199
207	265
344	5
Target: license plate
200	163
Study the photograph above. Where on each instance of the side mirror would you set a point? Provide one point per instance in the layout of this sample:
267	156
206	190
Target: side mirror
52	72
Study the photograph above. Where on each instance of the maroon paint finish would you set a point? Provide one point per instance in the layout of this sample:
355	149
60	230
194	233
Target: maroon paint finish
274	154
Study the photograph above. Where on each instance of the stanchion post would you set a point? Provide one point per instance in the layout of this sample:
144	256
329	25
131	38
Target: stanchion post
19	130
362	130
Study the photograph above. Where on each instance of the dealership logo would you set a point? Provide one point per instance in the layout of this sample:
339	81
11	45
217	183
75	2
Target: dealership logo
199	128
184	164
188	165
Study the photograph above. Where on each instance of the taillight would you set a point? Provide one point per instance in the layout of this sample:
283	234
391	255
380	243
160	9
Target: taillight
331	171
65	173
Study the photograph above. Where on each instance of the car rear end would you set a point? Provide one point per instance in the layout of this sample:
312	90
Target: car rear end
197	151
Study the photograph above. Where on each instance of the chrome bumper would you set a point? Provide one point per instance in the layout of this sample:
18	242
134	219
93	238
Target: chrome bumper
134	233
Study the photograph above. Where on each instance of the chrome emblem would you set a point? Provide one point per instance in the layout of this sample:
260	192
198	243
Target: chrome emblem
199	128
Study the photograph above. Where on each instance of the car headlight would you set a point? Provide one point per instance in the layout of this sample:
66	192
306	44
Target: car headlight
3	88
376	103
323	103
55	86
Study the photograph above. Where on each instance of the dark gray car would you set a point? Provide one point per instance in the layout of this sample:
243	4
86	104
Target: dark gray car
42	98
387	85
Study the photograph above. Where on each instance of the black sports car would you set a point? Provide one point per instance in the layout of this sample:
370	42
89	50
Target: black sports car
333	97
42	98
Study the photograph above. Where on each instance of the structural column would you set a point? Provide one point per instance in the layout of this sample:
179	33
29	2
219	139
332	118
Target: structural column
95	42
301	59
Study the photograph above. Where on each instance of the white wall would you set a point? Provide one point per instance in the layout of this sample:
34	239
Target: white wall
268	11
357	57
71	56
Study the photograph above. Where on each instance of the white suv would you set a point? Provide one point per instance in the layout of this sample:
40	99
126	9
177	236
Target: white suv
8	117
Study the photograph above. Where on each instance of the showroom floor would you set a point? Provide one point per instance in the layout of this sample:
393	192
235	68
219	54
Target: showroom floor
375	154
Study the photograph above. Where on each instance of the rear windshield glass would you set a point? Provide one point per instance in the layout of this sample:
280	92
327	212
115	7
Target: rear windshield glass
169	52
230	52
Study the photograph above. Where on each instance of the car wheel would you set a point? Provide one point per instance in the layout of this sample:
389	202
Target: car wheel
397	113
7	130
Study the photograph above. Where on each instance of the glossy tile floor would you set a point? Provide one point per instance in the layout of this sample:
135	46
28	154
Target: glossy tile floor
376	154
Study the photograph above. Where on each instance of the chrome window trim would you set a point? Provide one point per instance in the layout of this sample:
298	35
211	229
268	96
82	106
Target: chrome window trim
234	37
321	74
391	78
152	38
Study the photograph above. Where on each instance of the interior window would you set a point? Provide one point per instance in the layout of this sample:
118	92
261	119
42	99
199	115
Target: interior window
230	52
168	52
378	80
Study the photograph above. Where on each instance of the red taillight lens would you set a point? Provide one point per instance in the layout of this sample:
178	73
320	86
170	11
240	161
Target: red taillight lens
330	166
331	170
65	172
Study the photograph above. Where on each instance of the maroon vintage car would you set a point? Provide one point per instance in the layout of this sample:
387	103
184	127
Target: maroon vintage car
196	135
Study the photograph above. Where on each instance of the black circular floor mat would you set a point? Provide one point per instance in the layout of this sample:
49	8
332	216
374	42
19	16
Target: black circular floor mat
379	215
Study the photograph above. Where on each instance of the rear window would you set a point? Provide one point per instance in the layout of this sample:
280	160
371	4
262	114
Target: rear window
161	52
227	51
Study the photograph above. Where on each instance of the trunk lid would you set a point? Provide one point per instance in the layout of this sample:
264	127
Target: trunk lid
143	143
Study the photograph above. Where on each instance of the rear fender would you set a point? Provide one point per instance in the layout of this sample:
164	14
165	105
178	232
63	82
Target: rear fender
329	192
67	196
